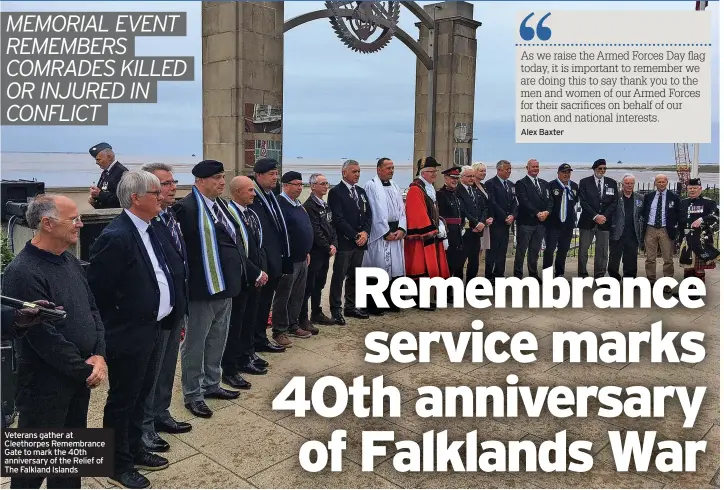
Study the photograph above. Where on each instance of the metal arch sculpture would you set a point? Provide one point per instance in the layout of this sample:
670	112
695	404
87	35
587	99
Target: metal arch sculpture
357	32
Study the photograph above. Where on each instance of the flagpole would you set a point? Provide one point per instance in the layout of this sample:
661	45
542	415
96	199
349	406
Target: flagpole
695	159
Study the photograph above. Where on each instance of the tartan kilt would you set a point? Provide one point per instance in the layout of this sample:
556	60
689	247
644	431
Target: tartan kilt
700	265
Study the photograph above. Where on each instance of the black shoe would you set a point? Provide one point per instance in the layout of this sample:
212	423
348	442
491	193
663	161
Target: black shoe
170	426
268	346
393	309
432	307
150	462
376	311
153	443
236	381
321	319
129	479
199	409
255	359
252	368
223	394
356	313
338	319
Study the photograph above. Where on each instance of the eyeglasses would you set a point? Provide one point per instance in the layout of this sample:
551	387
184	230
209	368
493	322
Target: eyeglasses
167	183
155	193
323	184
74	221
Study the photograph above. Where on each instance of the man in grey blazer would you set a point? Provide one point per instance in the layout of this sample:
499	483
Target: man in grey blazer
626	235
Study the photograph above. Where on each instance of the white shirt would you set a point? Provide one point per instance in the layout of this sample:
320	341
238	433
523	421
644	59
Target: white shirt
535	182
654	209
164	304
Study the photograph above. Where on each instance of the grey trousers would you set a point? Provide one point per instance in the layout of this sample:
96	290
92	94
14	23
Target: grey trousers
203	347
288	299
600	260
159	400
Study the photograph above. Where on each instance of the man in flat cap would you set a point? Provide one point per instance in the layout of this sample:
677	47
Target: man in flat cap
218	271
352	218
290	292
103	194
562	220
275	240
697	213
385	248
424	247
451	213
599	199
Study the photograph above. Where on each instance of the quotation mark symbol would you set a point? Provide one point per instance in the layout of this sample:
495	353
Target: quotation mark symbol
527	33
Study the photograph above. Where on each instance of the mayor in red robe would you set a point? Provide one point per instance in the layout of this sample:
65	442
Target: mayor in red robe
425	239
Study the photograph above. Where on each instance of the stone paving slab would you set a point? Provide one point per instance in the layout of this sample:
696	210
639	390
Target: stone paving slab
246	444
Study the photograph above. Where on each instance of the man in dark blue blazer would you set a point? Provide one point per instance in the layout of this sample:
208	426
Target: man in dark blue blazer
599	199
218	271
157	416
135	291
503	207
352	219
660	220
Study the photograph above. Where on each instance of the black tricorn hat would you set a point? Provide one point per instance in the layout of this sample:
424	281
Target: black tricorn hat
428	162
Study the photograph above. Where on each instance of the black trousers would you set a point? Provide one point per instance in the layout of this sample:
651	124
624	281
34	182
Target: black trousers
625	248
343	276
131	377
558	241
240	324
456	260
529	239
264	303
471	253
495	256
65	407
316	280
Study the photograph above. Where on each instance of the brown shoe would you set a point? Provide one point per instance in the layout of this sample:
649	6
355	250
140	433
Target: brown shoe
298	333
309	327
282	340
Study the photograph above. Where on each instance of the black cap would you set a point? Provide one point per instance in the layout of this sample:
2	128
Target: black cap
565	168
452	172
207	168
429	162
290	176
598	163
264	165
694	181
95	150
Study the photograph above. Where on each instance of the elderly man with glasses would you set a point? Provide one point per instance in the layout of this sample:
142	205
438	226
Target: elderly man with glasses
138	296
324	248
58	362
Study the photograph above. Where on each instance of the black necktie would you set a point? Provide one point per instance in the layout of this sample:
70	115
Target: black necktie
353	192
658	220
600	189
220	216
537	187
171	225
162	262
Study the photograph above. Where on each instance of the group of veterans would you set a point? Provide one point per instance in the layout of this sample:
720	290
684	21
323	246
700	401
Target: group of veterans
205	275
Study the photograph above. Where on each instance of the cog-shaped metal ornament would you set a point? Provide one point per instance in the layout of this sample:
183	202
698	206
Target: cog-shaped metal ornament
363	32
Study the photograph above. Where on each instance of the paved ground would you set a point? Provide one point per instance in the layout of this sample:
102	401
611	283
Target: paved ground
246	444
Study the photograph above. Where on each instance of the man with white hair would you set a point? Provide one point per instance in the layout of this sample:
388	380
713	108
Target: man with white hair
626	233
385	248
58	362
132	280
103	194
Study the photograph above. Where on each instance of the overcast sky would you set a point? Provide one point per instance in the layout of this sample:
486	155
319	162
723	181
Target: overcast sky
338	103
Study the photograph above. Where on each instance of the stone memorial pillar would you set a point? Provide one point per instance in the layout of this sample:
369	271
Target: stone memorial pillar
243	56
454	85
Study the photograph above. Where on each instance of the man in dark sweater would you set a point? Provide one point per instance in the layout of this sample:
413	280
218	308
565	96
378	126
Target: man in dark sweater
290	292
59	362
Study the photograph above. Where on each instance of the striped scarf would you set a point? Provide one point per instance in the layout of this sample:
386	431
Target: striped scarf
262	196
236	213
209	247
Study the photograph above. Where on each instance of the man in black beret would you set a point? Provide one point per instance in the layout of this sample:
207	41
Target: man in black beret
275	239
217	274
103	195
599	199
290	291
